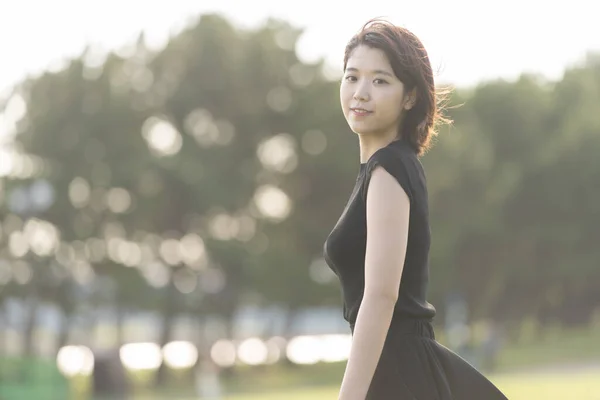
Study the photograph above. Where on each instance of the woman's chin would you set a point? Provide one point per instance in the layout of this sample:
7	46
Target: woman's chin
361	130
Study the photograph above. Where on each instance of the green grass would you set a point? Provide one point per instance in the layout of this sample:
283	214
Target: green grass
568	383
515	374
525	370
584	385
552	346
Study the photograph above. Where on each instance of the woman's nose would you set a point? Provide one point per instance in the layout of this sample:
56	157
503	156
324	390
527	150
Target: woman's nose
361	93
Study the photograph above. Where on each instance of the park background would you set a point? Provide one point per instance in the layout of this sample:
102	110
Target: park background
169	172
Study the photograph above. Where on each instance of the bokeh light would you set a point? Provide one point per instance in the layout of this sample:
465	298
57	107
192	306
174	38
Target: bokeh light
141	356
253	351
223	353
75	360
180	354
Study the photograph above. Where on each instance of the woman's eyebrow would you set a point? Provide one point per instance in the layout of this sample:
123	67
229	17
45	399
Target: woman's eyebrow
376	71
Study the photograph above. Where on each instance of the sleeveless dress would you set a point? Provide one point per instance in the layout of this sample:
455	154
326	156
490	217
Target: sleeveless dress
413	365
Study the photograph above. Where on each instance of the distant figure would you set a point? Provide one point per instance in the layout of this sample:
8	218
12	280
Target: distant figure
379	247
208	384
109	379
492	343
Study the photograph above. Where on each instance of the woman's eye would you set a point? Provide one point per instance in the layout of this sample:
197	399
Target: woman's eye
350	78
380	81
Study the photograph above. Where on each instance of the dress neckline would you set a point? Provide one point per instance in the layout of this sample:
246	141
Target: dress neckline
363	165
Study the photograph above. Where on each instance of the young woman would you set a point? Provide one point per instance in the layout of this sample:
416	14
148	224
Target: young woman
379	247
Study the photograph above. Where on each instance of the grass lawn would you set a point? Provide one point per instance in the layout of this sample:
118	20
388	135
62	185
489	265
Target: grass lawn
553	347
550	366
558	385
543	368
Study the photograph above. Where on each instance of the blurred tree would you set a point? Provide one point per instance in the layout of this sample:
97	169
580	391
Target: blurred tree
206	176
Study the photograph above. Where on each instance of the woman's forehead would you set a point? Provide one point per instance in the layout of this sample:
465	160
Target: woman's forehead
368	59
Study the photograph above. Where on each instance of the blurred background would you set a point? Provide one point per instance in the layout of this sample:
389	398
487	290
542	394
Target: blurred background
169	172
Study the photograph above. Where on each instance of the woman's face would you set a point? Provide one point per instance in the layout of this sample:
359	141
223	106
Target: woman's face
373	98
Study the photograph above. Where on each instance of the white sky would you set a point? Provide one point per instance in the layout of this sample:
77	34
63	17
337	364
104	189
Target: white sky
467	40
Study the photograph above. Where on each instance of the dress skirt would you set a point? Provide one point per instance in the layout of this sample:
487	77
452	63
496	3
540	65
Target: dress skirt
414	366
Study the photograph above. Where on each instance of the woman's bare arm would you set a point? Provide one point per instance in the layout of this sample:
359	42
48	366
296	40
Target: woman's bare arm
388	208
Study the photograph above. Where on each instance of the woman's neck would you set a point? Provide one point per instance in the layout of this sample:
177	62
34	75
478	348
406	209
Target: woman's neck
369	144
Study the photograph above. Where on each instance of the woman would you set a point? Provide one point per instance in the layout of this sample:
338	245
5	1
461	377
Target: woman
379	247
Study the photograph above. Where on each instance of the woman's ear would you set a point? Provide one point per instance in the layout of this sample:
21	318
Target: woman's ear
410	99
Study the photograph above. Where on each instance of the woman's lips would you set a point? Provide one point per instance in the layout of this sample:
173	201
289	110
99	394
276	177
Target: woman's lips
360	112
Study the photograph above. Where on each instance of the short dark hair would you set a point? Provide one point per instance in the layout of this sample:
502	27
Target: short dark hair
411	65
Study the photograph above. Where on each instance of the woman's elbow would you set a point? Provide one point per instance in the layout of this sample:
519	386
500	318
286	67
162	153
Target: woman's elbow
384	298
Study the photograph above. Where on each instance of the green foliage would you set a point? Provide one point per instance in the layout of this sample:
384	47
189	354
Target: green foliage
179	144
31	378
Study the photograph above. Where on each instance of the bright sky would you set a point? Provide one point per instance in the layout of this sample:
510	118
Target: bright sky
467	40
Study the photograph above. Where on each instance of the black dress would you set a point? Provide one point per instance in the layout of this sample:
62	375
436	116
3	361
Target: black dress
413	365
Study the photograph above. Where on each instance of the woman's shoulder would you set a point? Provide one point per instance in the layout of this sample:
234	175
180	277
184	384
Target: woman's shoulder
400	161
398	154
